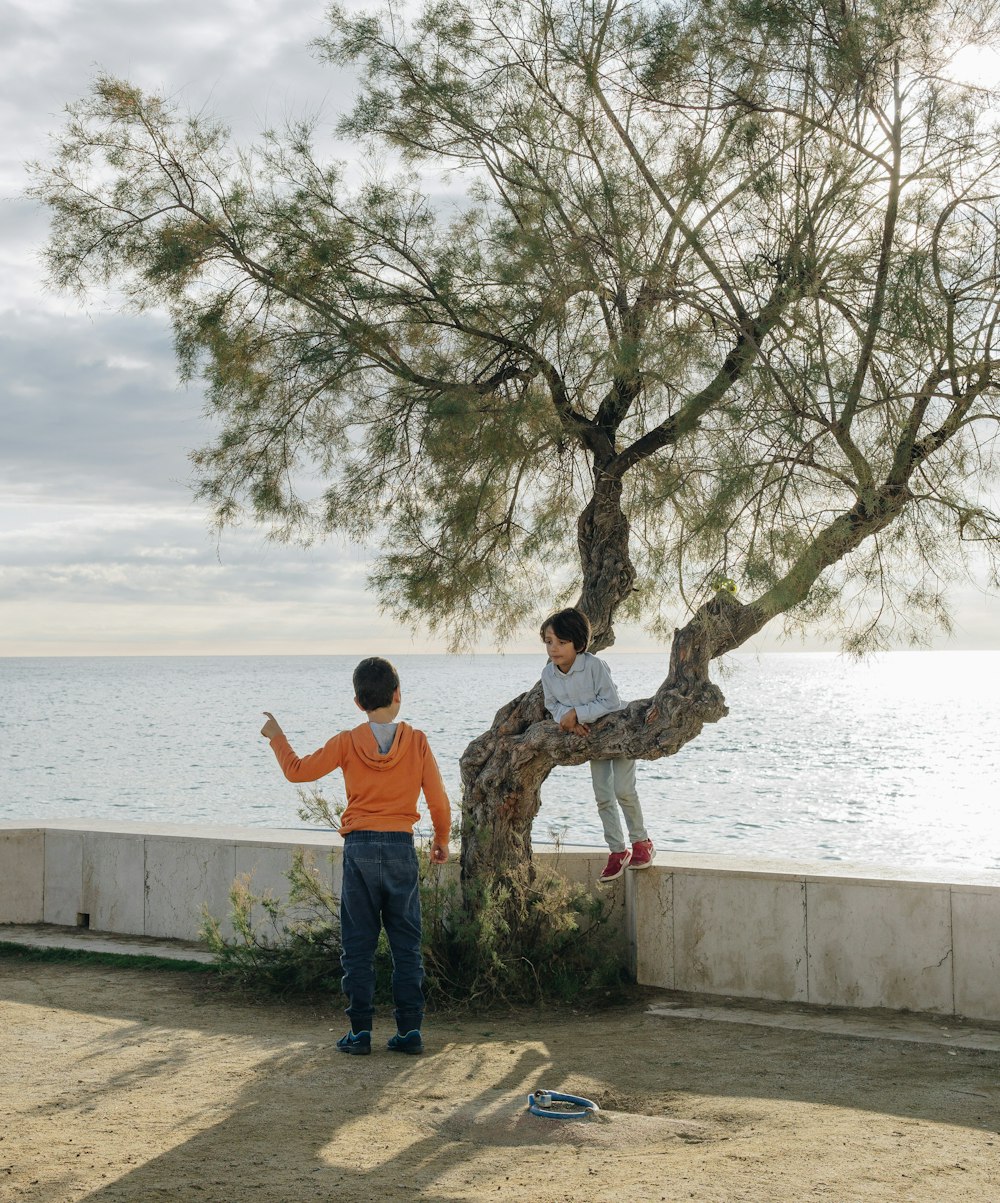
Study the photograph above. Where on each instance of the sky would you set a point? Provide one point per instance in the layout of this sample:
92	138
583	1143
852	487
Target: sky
103	550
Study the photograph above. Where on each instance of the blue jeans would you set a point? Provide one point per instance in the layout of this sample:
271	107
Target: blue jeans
381	889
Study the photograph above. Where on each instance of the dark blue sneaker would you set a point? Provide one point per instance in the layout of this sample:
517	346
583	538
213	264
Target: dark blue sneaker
409	1043
358	1044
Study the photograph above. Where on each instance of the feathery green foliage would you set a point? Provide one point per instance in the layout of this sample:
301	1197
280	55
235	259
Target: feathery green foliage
735	262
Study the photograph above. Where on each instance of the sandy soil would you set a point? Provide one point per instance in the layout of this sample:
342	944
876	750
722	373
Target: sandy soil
127	1085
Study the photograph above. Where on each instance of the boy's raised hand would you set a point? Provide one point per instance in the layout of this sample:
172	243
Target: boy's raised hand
271	728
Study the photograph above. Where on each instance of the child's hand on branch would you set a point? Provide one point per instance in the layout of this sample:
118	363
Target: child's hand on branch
570	723
270	729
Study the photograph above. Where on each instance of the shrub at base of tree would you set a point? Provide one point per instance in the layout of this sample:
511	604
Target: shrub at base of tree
532	939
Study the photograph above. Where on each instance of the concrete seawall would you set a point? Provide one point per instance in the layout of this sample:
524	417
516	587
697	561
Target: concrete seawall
841	935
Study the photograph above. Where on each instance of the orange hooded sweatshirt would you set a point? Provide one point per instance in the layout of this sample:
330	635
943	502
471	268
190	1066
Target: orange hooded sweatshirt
382	791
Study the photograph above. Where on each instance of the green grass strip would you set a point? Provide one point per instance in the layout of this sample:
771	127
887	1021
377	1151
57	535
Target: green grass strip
120	960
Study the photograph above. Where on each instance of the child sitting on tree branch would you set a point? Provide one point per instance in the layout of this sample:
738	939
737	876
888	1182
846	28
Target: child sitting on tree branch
578	690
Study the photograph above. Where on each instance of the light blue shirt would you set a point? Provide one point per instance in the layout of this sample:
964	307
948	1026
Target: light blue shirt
587	688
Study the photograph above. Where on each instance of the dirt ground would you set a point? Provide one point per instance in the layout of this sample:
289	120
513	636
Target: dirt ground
126	1085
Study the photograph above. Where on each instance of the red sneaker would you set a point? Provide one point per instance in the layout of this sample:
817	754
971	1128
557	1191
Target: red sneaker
642	854
615	867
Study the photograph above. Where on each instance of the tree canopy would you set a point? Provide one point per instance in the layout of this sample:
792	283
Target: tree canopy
630	298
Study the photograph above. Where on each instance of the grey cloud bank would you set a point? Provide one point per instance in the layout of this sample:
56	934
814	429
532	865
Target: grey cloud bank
101	546
93	410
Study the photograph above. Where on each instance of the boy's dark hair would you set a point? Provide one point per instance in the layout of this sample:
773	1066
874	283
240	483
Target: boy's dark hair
570	625
375	681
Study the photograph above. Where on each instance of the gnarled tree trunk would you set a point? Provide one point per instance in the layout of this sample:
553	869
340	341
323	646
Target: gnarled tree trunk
504	768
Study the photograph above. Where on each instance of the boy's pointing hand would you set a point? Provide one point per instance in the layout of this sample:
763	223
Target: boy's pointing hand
271	728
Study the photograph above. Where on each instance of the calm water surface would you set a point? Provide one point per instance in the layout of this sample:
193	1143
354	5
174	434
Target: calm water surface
893	761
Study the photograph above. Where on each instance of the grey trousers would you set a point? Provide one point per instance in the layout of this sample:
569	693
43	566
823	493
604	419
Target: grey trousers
614	787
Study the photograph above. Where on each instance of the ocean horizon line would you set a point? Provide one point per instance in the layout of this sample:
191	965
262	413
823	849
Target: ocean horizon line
501	654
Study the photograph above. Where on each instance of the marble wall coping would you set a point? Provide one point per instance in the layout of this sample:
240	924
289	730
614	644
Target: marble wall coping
670	861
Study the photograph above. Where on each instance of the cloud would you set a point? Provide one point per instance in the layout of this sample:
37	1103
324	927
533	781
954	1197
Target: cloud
99	550
249	64
91	578
331	625
92	408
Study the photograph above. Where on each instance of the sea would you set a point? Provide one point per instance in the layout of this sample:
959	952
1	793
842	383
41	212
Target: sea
890	761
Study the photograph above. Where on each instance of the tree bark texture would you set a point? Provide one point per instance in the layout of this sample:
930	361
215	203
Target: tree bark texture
608	573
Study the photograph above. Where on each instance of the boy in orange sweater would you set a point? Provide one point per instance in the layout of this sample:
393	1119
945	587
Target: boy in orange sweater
385	765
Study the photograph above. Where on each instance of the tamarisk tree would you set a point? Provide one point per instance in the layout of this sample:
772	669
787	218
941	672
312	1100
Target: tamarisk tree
684	311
